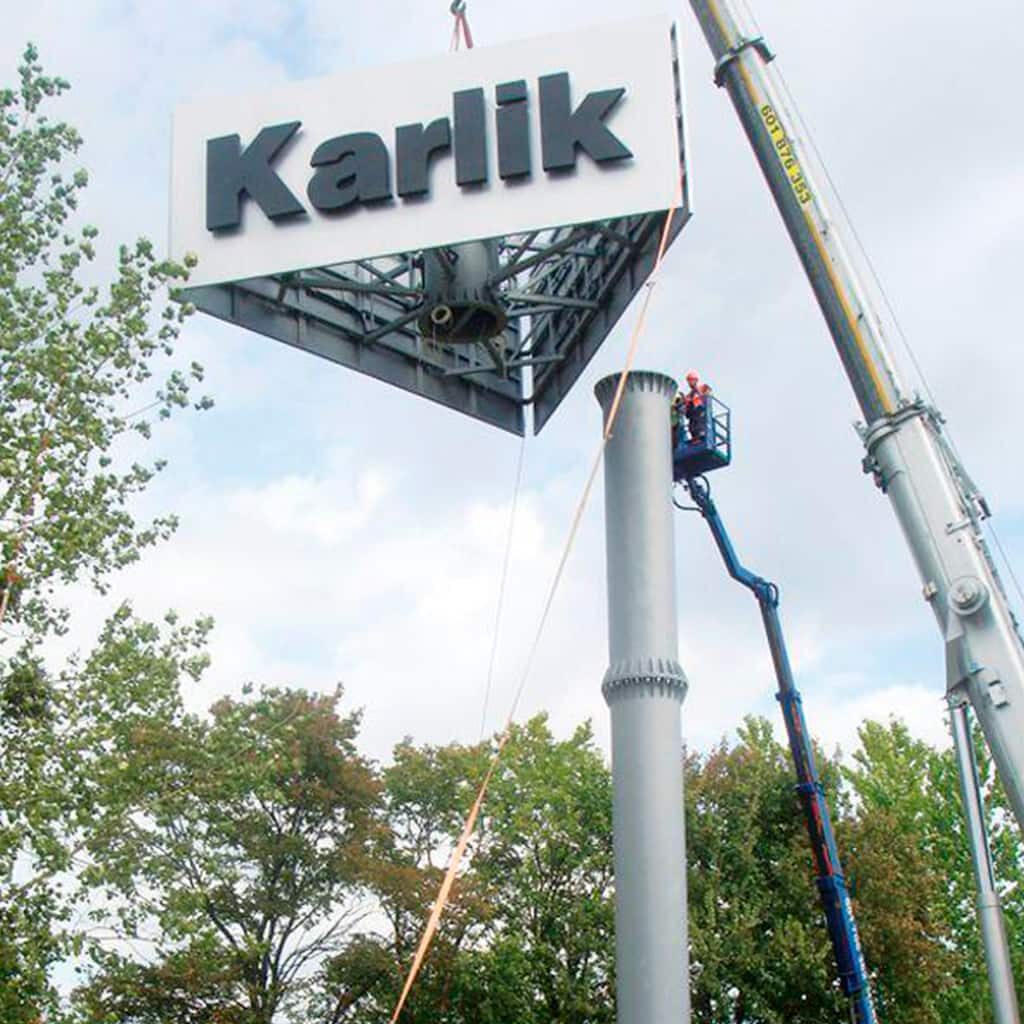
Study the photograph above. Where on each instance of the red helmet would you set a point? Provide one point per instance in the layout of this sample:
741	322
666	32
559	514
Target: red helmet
692	377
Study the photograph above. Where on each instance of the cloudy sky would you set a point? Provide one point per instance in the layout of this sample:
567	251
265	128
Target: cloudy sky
340	530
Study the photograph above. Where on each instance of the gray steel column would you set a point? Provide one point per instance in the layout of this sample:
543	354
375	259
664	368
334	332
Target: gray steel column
644	687
990	912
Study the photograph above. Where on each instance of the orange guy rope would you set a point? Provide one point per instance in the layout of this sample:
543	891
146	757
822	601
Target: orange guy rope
449	879
460	848
613	412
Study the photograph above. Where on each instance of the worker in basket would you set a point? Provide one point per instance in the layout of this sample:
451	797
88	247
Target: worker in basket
692	403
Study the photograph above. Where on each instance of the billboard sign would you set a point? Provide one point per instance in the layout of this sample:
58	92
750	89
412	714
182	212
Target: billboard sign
577	129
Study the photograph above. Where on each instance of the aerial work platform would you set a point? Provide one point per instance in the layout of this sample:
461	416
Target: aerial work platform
694	457
702	446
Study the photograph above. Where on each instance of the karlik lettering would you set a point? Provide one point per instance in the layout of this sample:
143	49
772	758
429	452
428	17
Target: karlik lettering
355	169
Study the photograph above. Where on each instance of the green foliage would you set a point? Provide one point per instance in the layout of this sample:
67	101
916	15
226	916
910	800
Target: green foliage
27	951
78	373
914	883
77	370
427	794
759	949
242	864
546	861
65	739
528	937
193	985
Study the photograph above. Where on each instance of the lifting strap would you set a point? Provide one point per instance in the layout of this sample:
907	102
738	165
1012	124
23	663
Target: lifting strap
460	31
467	831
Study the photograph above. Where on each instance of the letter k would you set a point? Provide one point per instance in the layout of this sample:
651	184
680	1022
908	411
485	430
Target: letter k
564	131
232	172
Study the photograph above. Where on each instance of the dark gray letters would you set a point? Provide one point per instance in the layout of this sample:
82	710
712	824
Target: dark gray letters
513	121
232	173
350	169
414	148
470	137
355	169
563	130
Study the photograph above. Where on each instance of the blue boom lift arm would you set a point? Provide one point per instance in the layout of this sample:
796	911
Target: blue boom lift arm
835	897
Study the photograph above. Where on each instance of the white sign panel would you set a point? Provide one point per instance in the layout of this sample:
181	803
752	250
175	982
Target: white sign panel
481	143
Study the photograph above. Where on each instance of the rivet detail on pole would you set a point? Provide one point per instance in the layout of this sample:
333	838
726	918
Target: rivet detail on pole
644	676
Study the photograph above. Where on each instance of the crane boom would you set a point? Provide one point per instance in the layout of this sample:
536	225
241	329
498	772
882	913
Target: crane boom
938	507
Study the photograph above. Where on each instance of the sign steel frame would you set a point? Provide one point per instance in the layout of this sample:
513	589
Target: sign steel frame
560	288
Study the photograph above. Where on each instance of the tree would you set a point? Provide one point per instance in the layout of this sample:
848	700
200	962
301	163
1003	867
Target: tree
243	869
78	366
914	881
78	373
528	936
427	793
759	949
546	863
64	737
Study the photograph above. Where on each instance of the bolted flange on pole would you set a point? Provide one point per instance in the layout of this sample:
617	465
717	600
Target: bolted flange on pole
644	688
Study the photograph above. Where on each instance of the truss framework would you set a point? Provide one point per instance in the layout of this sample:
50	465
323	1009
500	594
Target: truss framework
563	289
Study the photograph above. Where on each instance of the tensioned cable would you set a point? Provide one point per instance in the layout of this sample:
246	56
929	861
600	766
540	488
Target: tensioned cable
595	467
467	831
877	279
855	234
1006	561
502	586
776	72
461	30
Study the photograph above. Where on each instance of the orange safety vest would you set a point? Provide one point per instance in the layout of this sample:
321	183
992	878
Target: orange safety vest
695	396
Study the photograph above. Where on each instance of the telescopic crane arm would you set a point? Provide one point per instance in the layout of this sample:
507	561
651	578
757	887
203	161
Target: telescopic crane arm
835	898
937	506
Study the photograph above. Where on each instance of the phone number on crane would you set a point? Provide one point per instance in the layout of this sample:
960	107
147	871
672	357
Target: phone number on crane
787	156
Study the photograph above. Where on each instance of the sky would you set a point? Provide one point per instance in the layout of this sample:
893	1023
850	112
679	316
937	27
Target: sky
341	531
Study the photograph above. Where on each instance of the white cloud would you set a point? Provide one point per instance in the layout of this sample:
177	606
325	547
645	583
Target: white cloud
338	529
922	708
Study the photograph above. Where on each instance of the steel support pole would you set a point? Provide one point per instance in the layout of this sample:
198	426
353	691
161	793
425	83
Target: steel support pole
990	912
644	687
